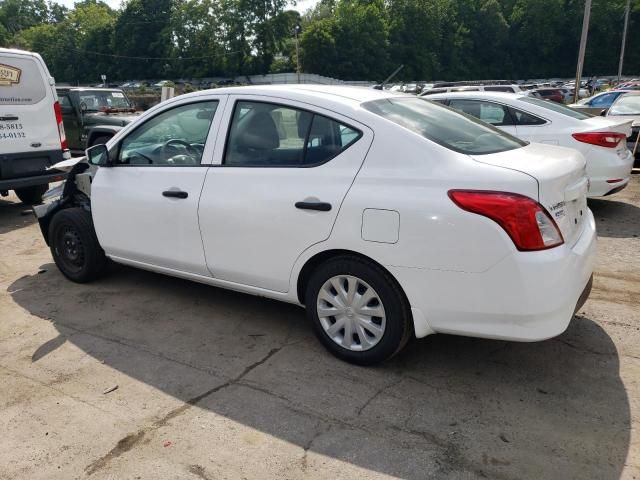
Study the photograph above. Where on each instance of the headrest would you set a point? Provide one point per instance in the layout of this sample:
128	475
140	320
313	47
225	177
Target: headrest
259	133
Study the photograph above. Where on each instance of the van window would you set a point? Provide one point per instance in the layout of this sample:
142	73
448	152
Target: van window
21	81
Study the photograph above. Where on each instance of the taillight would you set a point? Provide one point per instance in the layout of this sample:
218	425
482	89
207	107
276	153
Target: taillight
602	139
63	136
525	220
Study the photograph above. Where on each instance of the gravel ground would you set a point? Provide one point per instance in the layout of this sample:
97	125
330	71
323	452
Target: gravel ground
213	384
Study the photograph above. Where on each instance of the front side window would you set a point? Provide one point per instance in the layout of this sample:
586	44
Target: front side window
489	112
446	127
271	135
175	137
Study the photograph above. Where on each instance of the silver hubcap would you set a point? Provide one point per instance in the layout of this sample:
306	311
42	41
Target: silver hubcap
351	313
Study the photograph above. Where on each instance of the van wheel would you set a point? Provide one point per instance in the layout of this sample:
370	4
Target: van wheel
100	140
358	311
75	247
32	195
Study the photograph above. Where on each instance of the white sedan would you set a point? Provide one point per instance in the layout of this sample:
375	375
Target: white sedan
602	141
387	216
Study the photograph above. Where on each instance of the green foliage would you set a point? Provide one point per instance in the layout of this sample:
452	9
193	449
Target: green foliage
348	39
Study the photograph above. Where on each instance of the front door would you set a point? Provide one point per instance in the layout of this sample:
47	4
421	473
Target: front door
146	206
277	188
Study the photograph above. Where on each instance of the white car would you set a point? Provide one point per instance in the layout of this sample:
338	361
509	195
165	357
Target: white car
602	141
388	216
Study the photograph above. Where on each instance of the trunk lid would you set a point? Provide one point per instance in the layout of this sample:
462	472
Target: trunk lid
610	124
562	182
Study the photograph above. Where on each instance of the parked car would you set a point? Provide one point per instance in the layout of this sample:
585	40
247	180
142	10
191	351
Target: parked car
552	94
496	241
93	115
32	136
602	141
625	108
597	104
473	88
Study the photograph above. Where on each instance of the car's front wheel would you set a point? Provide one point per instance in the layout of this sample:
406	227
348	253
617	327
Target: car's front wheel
75	247
358	311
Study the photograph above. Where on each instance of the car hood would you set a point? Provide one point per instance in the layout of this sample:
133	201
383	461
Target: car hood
121	119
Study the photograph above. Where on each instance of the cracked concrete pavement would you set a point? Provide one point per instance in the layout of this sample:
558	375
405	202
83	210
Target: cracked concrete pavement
218	385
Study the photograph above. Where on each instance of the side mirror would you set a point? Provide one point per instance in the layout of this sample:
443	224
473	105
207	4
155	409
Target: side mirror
603	113
98	155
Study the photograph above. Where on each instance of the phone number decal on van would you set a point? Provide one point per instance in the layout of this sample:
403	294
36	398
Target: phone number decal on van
9	75
11	131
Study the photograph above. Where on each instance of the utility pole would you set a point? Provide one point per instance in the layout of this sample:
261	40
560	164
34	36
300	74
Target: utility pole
583	47
624	39
297	29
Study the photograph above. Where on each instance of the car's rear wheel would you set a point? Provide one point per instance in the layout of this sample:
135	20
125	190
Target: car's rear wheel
75	247
32	195
358	311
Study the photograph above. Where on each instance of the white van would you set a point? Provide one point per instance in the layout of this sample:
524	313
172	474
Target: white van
31	132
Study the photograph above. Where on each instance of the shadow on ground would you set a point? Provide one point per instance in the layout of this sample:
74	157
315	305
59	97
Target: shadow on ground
615	218
448	407
14	215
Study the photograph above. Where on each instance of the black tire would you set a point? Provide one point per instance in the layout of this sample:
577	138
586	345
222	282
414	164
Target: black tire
32	195
75	247
399	325
101	140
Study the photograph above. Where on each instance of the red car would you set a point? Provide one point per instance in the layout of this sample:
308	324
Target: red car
553	94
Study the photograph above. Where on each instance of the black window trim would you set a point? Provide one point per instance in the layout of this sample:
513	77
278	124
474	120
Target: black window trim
118	146
306	140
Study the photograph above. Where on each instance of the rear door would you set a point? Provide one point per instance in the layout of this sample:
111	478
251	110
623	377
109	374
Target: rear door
27	117
280	181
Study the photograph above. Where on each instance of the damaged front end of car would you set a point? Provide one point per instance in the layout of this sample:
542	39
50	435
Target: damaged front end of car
74	191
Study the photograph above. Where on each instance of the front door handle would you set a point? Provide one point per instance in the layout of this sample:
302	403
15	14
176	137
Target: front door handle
320	206
175	194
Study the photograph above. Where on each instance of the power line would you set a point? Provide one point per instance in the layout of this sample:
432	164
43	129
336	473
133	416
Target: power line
113	55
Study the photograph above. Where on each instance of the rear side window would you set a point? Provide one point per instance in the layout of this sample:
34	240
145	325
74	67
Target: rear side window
458	132
493	113
272	135
21	81
524	118
556	107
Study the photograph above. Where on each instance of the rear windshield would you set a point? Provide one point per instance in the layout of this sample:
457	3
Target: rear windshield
21	81
556	107
444	126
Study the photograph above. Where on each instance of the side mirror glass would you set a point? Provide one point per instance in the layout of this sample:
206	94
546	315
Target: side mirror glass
98	155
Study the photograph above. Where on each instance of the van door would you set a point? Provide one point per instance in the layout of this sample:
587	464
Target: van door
27	117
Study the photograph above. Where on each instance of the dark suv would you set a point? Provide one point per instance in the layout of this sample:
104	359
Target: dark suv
93	115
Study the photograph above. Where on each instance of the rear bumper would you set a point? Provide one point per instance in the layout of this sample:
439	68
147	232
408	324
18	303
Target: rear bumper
600	177
21	170
527	296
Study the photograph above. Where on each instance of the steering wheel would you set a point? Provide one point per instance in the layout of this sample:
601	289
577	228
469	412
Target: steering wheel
192	152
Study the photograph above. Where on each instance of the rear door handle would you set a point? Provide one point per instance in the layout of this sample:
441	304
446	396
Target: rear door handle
175	194
320	206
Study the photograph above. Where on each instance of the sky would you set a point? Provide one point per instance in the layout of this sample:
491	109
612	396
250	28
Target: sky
302	5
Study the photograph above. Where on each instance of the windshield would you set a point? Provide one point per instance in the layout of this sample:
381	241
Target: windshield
556	107
96	101
444	126
626	105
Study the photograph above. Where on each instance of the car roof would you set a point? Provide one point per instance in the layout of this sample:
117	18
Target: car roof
478	94
18	52
331	94
82	89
